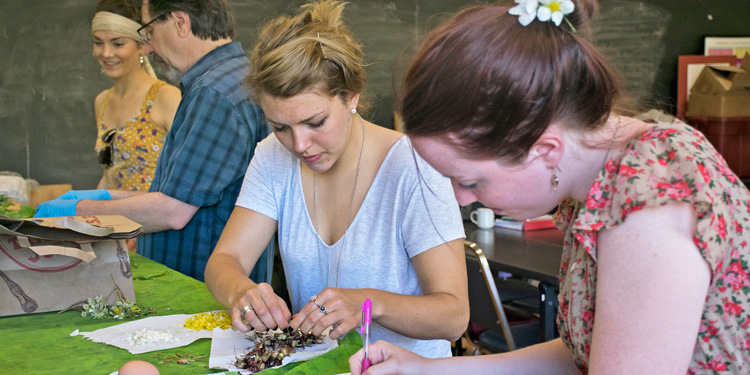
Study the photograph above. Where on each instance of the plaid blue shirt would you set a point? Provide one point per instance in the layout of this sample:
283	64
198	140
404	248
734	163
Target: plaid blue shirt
205	156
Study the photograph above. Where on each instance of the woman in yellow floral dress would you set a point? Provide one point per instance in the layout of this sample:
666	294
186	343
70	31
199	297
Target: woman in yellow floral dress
134	116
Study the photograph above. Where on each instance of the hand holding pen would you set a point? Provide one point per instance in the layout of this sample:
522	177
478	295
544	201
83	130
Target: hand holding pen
387	358
365	329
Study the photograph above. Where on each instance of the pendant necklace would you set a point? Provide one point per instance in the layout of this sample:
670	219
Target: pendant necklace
349	217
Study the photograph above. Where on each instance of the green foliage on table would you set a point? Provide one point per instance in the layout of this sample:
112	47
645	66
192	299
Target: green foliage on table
96	307
334	362
173	293
22	212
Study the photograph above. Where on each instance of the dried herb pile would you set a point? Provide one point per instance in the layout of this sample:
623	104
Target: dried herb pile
335	361
272	346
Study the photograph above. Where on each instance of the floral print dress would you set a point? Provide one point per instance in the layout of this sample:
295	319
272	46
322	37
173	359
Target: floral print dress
669	162
136	146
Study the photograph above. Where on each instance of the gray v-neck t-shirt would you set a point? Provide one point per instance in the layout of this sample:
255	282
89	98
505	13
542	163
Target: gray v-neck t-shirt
410	208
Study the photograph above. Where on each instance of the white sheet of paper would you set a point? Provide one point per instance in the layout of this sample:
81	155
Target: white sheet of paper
227	345
117	335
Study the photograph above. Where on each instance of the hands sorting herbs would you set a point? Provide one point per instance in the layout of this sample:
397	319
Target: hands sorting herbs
344	236
525	128
271	347
331	305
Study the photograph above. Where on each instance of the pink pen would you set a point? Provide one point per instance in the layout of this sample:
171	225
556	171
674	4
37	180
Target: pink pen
365	329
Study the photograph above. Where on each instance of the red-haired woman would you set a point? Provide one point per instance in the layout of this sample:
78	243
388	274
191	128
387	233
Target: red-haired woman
517	108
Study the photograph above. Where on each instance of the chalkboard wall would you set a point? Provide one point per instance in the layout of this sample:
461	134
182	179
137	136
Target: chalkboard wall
48	79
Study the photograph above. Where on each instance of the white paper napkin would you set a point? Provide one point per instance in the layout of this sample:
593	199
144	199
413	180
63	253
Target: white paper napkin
117	335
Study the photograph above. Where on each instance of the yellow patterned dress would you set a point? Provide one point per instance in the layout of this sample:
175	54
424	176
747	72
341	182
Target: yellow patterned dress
136	145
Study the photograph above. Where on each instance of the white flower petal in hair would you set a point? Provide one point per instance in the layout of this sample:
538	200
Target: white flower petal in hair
526	11
555	10
543	13
544	10
529	5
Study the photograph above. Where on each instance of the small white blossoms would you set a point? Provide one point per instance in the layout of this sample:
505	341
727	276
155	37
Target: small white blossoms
150	336
544	10
97	308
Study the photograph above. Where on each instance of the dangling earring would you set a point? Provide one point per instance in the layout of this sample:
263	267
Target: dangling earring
354	111
142	60
555	181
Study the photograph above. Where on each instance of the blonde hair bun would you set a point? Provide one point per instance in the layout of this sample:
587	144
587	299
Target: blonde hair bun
313	50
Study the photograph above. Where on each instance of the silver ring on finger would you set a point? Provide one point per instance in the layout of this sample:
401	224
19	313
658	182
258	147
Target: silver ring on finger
323	309
246	310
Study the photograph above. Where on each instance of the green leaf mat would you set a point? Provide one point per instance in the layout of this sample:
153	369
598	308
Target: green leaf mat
37	344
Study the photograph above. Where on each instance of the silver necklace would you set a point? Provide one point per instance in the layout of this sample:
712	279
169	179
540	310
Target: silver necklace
349	217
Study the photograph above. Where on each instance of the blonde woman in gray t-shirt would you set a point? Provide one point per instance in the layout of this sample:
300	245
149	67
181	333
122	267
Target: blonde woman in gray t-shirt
359	215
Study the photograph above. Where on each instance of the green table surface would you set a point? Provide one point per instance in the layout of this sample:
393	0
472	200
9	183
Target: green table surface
41	343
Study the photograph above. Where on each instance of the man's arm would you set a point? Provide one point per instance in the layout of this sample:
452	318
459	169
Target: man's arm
156	212
122	194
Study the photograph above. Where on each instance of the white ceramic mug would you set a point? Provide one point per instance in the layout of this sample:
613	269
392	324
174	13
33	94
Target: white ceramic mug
483	217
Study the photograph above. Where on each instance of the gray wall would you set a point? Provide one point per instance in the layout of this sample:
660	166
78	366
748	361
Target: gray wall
48	79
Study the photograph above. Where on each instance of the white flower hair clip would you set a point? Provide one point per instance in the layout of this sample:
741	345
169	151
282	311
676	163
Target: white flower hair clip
544	10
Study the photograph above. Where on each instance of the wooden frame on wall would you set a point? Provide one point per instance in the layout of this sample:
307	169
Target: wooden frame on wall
689	67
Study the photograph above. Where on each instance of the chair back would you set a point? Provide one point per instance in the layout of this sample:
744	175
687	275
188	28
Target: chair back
485	305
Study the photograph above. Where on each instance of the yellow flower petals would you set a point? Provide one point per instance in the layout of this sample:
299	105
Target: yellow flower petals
209	320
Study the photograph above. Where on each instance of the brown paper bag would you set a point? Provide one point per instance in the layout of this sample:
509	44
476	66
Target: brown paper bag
50	264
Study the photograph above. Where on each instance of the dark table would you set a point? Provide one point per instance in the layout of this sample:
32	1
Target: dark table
530	254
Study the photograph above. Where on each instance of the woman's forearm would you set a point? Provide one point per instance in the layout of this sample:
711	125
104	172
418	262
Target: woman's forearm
549	358
443	311
225	278
435	316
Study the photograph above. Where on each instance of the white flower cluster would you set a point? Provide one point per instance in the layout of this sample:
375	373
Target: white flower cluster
544	10
96	308
148	336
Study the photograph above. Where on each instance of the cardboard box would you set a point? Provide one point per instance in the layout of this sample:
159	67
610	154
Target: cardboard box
721	91
44	193
51	264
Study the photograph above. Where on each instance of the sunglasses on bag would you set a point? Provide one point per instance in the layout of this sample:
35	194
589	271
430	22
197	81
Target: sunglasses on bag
105	154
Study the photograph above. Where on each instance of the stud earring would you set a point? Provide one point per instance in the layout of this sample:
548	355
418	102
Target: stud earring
555	181
354	110
142	60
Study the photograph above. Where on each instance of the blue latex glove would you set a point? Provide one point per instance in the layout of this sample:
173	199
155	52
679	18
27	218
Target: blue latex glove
94	195
56	208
